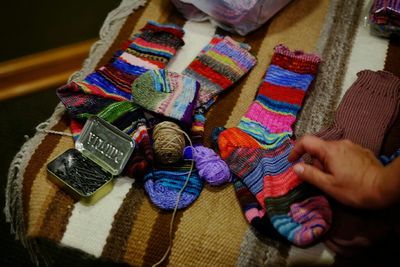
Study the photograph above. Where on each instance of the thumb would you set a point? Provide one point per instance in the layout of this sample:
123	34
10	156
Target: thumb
314	176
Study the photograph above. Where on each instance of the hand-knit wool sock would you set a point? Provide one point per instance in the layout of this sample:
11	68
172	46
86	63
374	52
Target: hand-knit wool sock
367	110
167	93
257	149
365	114
217	67
164	183
253	212
152	48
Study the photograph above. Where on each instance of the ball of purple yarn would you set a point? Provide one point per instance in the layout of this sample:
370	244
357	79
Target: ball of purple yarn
211	167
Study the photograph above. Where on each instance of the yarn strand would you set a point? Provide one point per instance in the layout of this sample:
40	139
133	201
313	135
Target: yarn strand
171	225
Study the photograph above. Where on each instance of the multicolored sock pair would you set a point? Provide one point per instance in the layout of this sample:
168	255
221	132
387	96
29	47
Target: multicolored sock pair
100	92
256	151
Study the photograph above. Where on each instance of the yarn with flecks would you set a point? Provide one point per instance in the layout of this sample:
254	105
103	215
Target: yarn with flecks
169	142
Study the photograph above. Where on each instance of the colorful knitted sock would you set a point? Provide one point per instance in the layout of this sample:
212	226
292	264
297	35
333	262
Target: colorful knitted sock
256	151
167	93
367	110
164	183
152	48
217	67
252	210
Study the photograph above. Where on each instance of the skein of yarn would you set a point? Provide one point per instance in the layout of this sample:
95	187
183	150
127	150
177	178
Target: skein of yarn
169	142
210	166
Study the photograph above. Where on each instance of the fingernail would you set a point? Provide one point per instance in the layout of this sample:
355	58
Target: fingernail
299	169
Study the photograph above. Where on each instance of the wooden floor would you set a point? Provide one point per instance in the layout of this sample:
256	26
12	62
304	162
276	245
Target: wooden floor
48	69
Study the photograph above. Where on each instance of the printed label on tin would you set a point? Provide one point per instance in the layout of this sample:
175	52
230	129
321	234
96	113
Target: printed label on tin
105	144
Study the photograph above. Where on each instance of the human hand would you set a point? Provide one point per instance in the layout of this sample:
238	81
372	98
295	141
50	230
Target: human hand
348	172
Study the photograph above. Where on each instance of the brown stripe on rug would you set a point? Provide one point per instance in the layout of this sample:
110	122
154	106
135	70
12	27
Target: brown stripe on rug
159	239
321	102
123	224
220	112
138	239
41	155
57	215
175	17
392	64
210	231
56	209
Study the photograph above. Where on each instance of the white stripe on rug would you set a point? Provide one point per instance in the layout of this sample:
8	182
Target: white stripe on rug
197	36
88	226
369	52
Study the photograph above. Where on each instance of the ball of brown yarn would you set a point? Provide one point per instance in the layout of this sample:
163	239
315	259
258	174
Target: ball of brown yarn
169	142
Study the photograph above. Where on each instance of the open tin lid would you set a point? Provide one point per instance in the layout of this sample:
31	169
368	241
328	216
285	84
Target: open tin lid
105	144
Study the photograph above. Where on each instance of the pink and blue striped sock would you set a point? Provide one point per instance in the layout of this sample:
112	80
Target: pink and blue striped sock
257	149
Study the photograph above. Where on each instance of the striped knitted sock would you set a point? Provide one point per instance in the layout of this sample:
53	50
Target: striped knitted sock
164	183
256	151
217	67
152	48
253	212
167	93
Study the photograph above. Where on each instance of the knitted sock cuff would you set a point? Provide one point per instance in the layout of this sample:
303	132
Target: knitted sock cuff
218	38
156	43
296	61
380	83
167	27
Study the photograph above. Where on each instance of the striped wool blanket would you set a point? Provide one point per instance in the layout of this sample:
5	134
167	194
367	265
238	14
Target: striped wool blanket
124	226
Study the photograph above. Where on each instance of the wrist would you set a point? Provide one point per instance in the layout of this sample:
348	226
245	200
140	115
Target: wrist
389	186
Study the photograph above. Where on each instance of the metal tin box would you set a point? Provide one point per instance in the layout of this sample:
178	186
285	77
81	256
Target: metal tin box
100	153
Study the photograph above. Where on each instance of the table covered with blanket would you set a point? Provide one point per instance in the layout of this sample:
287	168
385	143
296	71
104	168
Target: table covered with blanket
124	226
